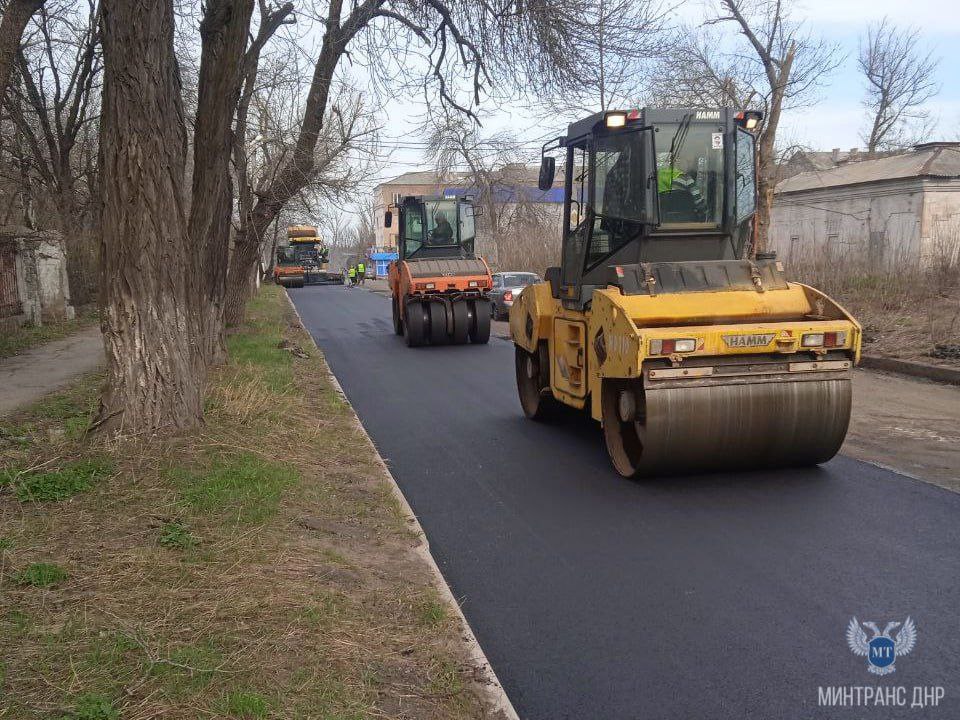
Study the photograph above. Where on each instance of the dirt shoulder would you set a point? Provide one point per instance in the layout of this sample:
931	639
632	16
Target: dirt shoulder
909	425
261	568
35	372
17	340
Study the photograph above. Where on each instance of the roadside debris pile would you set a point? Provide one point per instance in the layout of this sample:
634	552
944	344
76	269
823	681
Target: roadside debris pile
946	352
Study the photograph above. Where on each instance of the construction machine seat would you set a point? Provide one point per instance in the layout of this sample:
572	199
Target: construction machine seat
678	205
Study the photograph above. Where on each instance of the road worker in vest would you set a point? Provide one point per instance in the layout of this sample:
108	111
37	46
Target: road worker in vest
361	272
352	274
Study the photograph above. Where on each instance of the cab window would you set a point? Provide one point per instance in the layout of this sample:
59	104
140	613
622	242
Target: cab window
441	223
412	230
468	225
576	234
619	199
690	175
746	185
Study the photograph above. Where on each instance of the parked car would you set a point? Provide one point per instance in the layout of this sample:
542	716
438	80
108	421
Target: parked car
507	286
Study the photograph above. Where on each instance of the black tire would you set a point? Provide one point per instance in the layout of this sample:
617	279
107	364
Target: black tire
415	326
533	385
397	320
438	323
461	322
480	328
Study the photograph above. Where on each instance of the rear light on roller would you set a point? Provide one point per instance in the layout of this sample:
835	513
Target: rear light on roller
430	286
472	283
826	339
668	347
508	295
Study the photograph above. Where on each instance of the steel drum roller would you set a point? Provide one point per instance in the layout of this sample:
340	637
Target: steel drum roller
728	425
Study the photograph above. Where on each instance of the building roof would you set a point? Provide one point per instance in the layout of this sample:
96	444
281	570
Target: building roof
822	159
939	160
525	173
421	177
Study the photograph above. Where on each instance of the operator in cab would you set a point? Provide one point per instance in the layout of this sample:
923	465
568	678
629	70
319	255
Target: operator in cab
442	232
680	194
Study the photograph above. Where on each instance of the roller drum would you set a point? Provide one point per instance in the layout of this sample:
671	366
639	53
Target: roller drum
729	426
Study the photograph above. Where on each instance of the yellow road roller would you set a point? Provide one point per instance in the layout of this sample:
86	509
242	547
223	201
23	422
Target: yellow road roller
693	355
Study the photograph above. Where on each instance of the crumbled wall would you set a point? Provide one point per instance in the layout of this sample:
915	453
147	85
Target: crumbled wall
41	268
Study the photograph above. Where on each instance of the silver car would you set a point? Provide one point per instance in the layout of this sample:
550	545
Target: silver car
506	288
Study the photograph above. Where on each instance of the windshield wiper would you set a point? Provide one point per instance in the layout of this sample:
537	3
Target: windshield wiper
676	143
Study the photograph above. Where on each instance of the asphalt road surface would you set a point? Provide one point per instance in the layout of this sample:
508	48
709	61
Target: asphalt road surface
600	598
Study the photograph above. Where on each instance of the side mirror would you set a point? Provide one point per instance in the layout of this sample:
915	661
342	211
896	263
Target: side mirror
387	219
548	167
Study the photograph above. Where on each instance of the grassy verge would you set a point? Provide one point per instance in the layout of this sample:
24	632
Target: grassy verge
910	314
28	336
259	568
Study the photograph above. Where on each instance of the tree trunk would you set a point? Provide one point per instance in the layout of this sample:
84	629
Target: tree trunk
766	181
244	262
297	172
767	152
155	376
223	33
15	19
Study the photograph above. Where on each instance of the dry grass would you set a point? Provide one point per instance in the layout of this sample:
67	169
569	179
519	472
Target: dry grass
905	314
259	568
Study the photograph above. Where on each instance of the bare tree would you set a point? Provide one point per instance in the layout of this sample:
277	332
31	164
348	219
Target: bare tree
492	168
900	80
777	66
16	15
158	242
223	34
266	130
522	230
479	42
53	102
616	39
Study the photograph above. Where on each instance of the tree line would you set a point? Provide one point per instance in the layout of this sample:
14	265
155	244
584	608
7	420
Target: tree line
168	141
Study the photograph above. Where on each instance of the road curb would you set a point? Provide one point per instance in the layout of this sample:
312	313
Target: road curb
937	373
498	704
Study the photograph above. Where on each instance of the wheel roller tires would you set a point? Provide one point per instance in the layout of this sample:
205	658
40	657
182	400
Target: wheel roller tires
415	326
724	426
438	323
397	320
480	328
533	385
461	322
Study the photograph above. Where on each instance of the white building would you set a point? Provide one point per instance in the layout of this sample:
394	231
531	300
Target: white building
885	213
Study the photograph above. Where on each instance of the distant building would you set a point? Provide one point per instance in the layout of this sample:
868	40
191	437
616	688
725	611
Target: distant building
522	188
903	209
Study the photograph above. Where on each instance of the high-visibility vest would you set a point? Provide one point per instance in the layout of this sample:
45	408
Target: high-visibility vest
361	268
352	272
666	177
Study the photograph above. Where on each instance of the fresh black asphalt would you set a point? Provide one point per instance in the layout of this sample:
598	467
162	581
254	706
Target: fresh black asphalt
600	598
